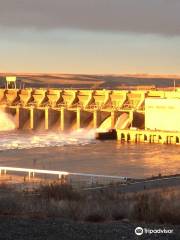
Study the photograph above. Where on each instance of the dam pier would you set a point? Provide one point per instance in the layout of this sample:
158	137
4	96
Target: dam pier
151	116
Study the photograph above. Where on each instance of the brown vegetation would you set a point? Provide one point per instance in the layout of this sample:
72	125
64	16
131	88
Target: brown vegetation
55	200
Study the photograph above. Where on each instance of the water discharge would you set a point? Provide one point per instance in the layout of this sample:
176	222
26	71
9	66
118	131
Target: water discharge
78	151
6	122
13	139
22	140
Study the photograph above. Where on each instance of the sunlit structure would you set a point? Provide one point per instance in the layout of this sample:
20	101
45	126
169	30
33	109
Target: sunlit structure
162	114
134	112
10	82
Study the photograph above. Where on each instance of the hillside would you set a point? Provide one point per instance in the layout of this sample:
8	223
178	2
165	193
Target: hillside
93	81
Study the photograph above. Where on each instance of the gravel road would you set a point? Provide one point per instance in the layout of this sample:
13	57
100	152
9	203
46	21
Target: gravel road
59	229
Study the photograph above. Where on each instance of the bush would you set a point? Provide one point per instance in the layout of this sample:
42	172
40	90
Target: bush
56	200
158	207
58	192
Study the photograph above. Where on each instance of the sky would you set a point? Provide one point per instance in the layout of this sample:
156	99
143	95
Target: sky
90	37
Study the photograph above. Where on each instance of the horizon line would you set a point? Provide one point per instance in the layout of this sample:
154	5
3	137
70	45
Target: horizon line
140	75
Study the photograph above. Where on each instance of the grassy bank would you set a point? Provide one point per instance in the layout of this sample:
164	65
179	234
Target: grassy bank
55	200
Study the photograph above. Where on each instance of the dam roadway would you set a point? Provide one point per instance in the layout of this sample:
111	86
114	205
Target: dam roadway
70	109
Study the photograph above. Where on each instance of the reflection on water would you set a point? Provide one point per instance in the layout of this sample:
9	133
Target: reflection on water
78	152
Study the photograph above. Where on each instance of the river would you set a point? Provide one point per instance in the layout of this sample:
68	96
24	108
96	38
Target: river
80	152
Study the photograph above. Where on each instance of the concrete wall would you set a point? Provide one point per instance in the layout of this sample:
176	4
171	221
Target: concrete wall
162	114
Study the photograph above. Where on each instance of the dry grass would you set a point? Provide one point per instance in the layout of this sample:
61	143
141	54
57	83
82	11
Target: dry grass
55	200
58	192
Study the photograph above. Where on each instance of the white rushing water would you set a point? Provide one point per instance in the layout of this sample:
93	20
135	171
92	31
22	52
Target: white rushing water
16	140
79	152
11	139
6	122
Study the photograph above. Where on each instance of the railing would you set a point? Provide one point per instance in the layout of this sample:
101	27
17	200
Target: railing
81	178
31	172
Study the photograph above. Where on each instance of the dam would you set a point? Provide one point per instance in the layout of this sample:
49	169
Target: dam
136	115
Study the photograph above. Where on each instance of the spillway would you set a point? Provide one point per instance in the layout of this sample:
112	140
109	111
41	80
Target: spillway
66	109
72	109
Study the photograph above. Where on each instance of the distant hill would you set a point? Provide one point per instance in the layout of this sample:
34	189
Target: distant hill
93	81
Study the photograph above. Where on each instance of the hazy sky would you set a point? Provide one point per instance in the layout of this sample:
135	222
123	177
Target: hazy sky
90	36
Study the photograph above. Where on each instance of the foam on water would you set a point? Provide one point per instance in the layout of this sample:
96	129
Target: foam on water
15	140
22	140
6	122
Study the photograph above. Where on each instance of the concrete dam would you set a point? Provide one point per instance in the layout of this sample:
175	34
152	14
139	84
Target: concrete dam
136	115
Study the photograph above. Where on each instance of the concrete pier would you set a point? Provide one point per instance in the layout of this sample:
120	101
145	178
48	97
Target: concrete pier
52	118
36	117
148	136
96	118
114	115
22	117
84	119
68	119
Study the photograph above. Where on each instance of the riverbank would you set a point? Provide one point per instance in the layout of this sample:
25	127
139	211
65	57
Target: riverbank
110	212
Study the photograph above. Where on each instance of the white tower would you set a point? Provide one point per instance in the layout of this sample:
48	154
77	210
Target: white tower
11	82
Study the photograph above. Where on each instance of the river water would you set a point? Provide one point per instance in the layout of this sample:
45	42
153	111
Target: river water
80	152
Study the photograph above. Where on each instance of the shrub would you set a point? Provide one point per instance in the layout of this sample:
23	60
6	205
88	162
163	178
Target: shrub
158	207
58	192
